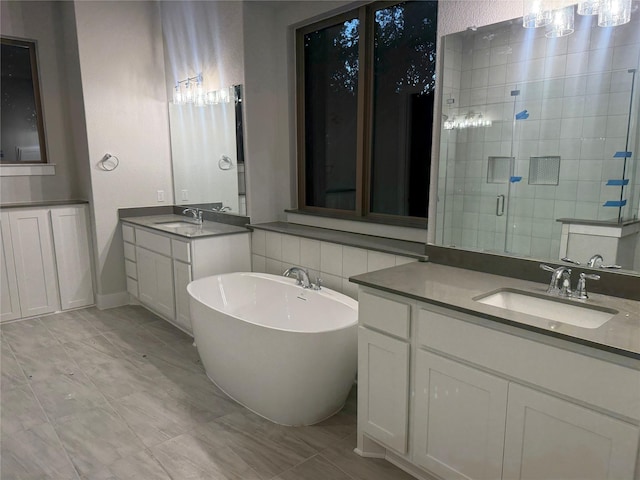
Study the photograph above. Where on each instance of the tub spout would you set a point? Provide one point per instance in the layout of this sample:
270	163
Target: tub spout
301	275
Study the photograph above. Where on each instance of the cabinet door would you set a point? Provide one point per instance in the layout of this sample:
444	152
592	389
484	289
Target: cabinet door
35	264
155	282
459	419
383	388
10	300
71	240
547	437
182	277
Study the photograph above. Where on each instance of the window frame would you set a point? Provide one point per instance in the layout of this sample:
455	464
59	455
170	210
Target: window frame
32	47
364	133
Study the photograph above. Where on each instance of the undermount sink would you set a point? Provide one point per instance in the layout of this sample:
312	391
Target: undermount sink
174	224
548	308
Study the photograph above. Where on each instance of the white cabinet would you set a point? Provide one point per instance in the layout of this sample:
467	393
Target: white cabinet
383	388
35	263
182	277
155	281
10	300
547	437
73	256
459	419
46	261
450	394
159	266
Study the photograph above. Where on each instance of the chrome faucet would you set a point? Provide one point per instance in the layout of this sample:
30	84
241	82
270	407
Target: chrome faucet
594	260
195	213
581	288
593	263
302	277
563	273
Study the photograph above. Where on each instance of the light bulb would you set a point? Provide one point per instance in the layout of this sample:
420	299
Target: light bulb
188	93
562	23
614	12
199	94
177	95
589	7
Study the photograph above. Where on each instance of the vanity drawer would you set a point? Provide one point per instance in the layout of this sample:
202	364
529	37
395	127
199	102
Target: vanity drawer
181	251
132	287
566	372
128	233
153	242
130	251
384	314
130	269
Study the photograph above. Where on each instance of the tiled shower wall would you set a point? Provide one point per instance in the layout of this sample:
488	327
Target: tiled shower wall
273	252
576	90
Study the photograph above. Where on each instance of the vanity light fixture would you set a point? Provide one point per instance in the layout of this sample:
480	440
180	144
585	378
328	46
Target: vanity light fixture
470	120
558	17
189	90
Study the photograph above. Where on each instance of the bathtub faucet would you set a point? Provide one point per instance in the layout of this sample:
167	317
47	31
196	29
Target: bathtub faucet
301	275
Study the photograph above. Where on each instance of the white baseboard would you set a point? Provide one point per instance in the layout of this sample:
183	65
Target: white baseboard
112	300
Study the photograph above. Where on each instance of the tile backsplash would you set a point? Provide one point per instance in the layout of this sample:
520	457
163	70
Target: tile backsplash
334	263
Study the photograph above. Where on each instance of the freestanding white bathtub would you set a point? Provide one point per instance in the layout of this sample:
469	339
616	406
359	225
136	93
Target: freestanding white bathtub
287	353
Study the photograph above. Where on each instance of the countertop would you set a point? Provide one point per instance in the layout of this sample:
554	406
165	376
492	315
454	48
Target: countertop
370	242
455	288
43	203
207	229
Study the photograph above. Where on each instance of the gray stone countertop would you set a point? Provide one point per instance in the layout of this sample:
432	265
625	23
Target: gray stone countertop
43	203
207	229
456	288
370	242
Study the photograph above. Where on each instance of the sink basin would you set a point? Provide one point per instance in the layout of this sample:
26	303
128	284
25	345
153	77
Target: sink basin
175	224
548	308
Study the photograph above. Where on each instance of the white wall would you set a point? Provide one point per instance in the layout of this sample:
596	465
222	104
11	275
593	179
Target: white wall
45	23
125	104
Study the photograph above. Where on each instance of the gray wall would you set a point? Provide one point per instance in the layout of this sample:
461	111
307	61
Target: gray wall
47	24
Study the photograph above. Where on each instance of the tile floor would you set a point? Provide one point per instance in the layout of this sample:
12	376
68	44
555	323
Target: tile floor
121	394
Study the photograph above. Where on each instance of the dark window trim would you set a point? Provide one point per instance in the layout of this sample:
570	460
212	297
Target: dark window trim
35	79
362	211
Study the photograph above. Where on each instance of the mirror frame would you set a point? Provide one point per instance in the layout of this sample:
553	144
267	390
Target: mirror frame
31	46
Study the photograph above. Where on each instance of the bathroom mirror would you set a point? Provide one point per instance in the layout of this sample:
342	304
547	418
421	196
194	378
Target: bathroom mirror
22	134
539	142
208	153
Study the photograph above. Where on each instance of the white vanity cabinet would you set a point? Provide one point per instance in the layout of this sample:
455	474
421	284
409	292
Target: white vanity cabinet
460	415
46	261
383	370
548	437
155	281
159	266
491	401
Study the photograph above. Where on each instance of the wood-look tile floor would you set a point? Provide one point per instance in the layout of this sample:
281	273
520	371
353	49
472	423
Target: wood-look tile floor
121	394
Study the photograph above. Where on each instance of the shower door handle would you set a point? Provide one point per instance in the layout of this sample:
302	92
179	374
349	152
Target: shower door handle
500	205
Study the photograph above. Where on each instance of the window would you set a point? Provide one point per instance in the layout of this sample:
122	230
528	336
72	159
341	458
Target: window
21	123
365	99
